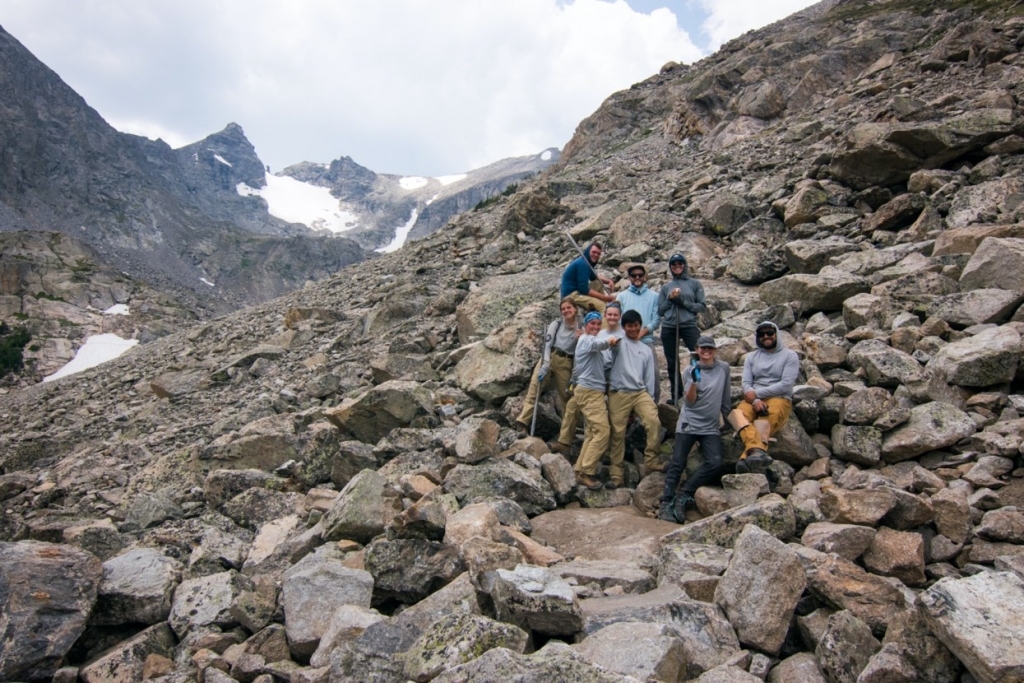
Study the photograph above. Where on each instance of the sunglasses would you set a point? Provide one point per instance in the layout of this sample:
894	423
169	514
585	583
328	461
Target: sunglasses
766	333
635	275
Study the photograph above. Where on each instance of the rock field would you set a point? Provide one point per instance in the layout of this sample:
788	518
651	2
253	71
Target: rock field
327	487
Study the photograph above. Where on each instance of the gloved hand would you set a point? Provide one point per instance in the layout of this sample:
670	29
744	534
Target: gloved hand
695	374
543	373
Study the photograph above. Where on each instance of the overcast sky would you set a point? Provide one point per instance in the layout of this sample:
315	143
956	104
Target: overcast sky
416	87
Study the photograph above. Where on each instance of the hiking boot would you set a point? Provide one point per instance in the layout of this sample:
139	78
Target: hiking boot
522	429
610	484
588	481
665	512
756	462
559	447
651	469
680	504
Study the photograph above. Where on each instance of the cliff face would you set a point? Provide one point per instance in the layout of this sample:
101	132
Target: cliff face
156	212
854	174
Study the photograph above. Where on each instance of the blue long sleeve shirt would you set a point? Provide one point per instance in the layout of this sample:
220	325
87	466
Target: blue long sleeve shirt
644	302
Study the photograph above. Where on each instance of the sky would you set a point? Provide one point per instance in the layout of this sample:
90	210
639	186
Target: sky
412	87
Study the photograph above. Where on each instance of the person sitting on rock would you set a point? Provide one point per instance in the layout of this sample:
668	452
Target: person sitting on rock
769	374
640	298
570	418
680	301
556	361
581	282
631	383
590	397
706	403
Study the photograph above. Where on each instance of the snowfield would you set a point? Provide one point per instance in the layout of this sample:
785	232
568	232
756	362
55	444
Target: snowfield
97	349
298	202
401	234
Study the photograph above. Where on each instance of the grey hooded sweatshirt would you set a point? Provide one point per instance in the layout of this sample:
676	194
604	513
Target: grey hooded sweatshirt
772	373
685	308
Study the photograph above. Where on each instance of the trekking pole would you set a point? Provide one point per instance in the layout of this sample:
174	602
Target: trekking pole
540	383
678	375
587	261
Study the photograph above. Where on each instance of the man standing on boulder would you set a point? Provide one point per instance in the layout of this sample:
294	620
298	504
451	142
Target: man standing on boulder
769	374
632	383
640	298
582	284
590	397
706	402
680	300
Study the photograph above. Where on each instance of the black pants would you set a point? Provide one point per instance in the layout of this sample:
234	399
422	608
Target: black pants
709	471
689	334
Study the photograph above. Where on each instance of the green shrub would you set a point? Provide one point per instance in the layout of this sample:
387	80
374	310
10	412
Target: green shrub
12	342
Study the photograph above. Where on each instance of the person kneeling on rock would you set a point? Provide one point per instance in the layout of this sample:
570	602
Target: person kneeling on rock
590	397
705	404
769	374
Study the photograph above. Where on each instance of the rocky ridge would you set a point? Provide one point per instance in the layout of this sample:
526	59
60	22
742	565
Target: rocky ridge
326	487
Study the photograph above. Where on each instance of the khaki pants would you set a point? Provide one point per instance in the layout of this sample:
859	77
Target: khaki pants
589	303
560	373
622	404
570	420
778	412
595	441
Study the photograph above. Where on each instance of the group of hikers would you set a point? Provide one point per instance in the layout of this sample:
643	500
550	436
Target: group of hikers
599	356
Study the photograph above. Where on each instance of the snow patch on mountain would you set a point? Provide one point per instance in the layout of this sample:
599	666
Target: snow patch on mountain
298	202
97	349
449	179
412	182
401	234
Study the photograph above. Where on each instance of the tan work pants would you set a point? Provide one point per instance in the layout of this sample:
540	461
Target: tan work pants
622	404
560	372
778	412
594	407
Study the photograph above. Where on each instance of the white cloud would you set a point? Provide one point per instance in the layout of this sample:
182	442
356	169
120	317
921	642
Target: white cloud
402	86
730	18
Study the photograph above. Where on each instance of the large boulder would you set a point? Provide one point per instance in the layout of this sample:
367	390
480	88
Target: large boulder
997	263
312	592
826	291
655	651
886	154
207	601
137	588
502	478
883	365
456	639
770	513
498	298
46	594
844	585
931	426
371	415
500	365
409	569
989	357
976	307
556	661
126	661
760	589
536	599
981	620
363	509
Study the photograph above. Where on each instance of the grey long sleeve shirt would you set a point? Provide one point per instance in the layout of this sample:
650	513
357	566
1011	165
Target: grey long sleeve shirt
713	400
633	367
588	368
